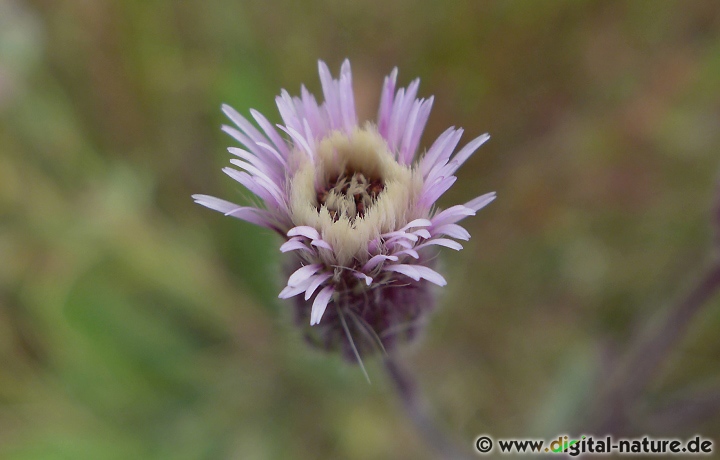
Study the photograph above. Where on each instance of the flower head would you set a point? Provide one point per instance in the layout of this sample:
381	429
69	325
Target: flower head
355	205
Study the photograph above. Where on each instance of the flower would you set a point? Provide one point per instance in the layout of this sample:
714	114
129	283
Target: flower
355	204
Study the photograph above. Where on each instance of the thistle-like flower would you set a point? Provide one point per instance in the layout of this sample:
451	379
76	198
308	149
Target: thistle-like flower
355	205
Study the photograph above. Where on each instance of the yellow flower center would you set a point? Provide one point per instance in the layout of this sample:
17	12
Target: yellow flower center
353	191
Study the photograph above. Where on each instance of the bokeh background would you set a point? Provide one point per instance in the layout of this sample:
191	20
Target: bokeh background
136	324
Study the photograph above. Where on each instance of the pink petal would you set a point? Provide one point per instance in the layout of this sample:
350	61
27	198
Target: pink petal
368	279
399	234
274	154
406	270
275	173
452	215
292	291
441	242
304	230
411	252
256	172
409	128
481	201
453	231
300	141
392	129
440	151
414	130
320	303
330	91
317	280
247	142
321	244
293	245
302	274
399	242
287	110
386	103
468	150
309	135
347	101
422	233
430	275
401	112
255	185
376	260
249	214
431	195
313	113
270	131
243	124
417	223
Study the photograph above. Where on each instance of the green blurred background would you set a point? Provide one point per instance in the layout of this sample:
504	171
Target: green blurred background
136	324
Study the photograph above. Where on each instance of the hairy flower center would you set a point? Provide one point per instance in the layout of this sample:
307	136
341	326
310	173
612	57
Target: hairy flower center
352	191
350	194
